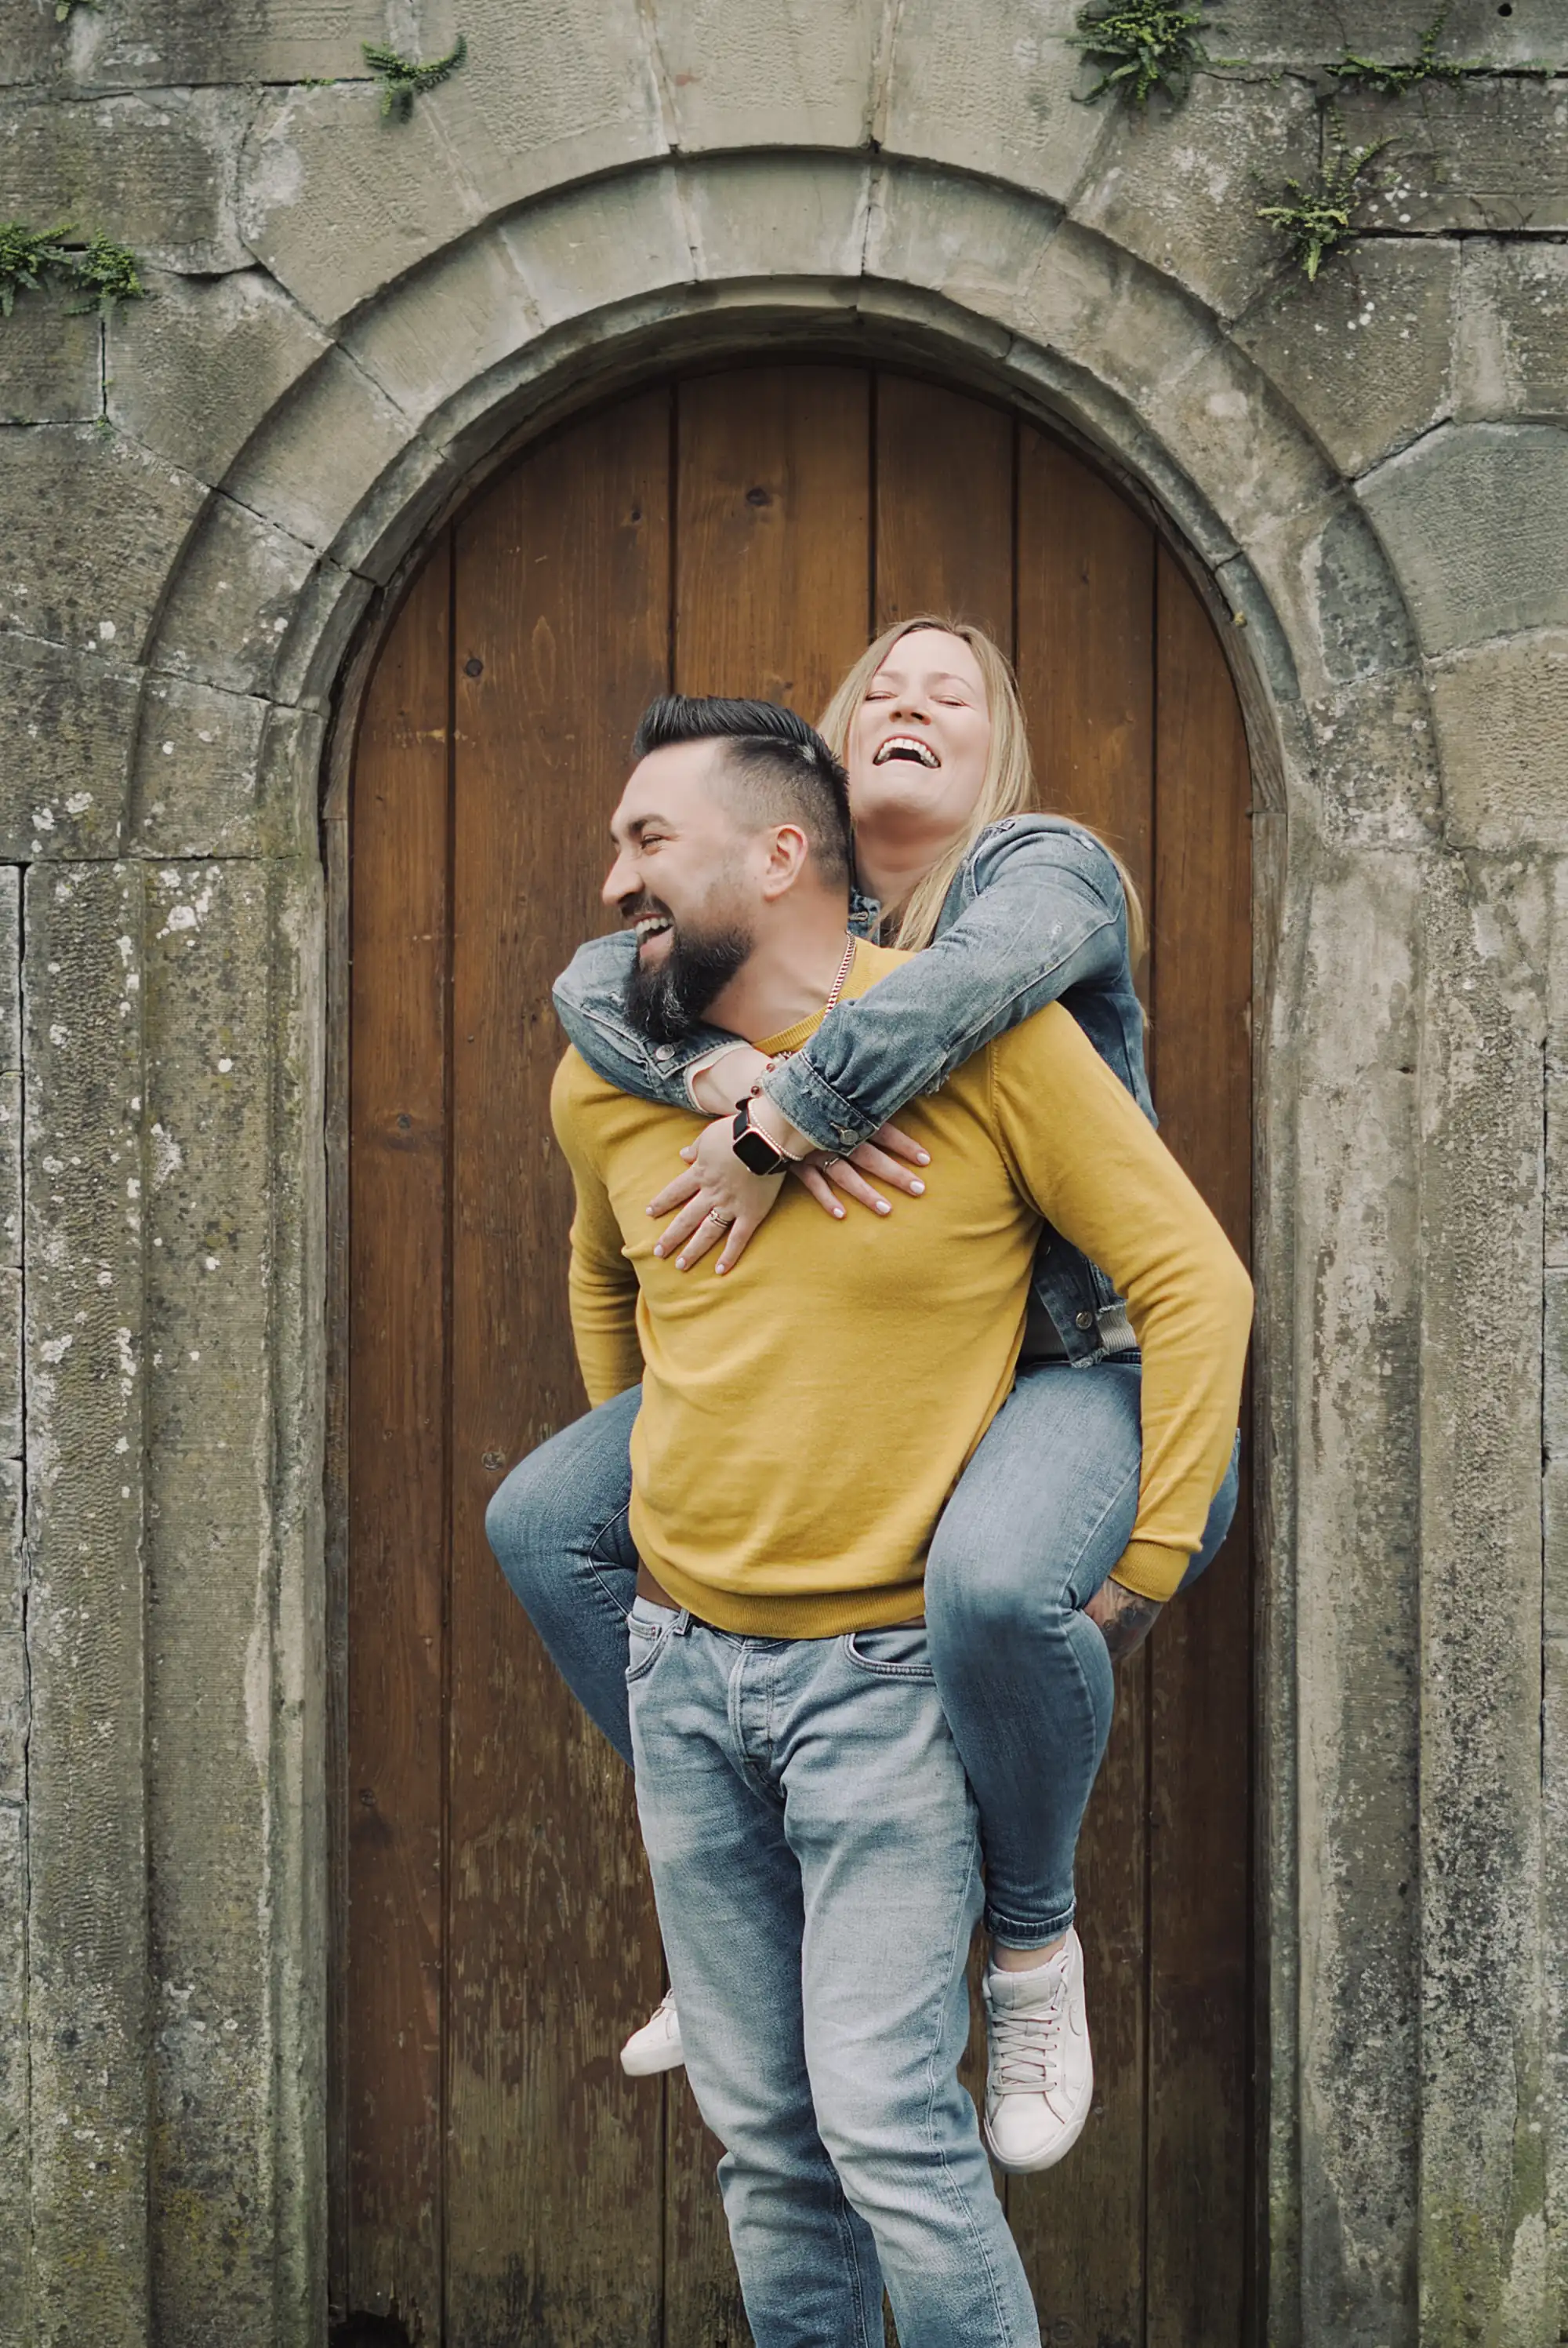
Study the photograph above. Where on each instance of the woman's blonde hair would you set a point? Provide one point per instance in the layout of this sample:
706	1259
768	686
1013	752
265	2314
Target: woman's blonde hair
1009	785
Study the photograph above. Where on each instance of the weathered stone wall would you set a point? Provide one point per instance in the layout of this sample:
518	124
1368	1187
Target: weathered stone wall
199	502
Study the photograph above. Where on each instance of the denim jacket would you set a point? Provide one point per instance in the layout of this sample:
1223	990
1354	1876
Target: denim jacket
1036	915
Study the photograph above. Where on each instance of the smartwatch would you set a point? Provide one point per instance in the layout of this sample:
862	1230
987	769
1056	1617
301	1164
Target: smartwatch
752	1147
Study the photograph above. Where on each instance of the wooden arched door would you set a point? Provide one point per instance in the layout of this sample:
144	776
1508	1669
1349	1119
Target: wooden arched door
497	2178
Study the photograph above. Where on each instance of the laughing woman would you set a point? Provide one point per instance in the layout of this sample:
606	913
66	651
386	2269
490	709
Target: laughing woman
1035	1581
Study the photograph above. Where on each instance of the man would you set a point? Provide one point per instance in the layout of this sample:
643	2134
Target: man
811	1835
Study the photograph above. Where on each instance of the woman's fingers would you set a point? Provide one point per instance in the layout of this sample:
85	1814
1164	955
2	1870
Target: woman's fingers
675	1194
690	1219
813	1179
707	1235
843	1176
736	1239
882	1169
900	1145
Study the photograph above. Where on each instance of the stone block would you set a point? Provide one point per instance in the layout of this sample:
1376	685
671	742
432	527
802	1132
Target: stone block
992	91
764	215
580	252
405	501
94	522
1362	355
1502	722
1231	432
1306	33
1555	1446
11	1174
1510	343
328	612
15	2215
543	100
319	452
87	1762
978	245
1472	519
1331	585
231	601
446	325
336	202
51	363
13	1677
10	1004
1488	153
155	173
1181	186
211	1699
766	73
196	787
1375	759
67	725
32	44
193	371
164	44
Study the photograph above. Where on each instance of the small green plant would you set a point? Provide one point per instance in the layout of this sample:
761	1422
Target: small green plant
402	79
1140	46
1316	221
95	267
1385	80
64	8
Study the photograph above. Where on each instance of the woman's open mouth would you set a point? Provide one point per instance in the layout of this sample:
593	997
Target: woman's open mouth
906	746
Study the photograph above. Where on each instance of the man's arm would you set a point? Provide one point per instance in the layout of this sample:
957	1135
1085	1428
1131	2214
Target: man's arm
602	1286
1084	1153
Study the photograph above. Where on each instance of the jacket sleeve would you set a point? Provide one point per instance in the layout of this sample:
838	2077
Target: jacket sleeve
590	1003
1091	1163
602	1286
1048	915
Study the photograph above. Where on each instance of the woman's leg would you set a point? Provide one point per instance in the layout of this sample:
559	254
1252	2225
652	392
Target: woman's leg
1041	1514
558	1528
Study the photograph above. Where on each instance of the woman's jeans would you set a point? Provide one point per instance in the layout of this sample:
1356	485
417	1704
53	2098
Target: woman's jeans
1041	1513
816	1867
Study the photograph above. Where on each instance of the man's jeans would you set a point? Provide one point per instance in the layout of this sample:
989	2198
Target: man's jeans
815	1863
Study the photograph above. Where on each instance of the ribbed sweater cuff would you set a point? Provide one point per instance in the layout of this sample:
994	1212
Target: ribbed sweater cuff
1151	1570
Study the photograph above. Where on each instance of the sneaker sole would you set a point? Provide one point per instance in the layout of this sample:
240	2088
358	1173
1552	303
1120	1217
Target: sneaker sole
648	2066
1059	2150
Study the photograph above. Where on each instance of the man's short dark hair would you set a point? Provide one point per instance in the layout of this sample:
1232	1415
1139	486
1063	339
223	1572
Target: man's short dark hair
788	773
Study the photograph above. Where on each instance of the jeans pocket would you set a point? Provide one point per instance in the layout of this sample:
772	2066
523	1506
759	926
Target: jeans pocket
647	1632
897	1651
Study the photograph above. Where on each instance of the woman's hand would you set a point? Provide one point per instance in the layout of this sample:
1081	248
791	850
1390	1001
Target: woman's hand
720	1198
1125	1619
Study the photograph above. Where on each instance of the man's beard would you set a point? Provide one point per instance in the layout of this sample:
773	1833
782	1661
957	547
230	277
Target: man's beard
666	1000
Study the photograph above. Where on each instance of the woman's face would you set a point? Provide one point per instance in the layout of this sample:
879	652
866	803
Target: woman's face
921	737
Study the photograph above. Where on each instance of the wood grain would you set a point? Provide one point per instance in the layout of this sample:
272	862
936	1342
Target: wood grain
1200	1732
397	1466
944	521
773	500
554	2171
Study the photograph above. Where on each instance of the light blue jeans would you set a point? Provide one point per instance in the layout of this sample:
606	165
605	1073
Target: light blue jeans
815	1863
1040	1515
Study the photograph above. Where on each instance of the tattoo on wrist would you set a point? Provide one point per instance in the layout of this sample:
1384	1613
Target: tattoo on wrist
1128	1626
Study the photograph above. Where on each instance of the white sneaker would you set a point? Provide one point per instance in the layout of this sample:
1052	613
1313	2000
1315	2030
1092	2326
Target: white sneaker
657	2046
1039	2080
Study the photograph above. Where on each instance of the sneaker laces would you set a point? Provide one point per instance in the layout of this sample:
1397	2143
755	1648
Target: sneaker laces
1026	2047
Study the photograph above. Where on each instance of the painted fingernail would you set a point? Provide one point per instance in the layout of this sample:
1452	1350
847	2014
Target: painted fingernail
883	1208
658	1251
916	1189
720	1269
838	1214
680	1263
923	1159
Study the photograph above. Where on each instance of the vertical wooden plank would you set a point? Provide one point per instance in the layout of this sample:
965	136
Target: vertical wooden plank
1086	619
772	587
1200	1732
397	1467
554	2176
944	521
1085	664
773	499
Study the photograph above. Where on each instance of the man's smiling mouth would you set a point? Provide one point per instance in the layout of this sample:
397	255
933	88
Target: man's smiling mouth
651	925
906	746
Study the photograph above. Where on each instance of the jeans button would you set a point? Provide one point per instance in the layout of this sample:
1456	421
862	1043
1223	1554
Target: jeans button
664	1052
1085	1320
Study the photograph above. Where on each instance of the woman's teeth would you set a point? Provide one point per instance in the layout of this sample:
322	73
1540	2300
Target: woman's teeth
906	746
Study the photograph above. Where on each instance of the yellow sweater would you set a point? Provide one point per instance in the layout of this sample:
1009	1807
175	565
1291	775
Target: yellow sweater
805	1418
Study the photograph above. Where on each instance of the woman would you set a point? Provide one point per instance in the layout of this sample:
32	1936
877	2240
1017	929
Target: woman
1014	911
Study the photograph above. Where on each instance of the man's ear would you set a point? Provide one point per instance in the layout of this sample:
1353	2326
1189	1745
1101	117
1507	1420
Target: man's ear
787	848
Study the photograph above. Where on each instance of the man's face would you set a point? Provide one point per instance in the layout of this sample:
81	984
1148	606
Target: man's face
681	878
